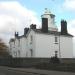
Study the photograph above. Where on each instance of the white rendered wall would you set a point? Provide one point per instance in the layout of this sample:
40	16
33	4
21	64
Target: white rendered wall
43	45
46	47
23	47
31	44
66	47
12	48
16	48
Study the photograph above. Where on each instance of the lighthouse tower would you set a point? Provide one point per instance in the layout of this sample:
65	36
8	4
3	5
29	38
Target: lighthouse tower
51	20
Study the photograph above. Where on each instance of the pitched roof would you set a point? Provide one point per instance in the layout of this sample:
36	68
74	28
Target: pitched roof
21	36
47	33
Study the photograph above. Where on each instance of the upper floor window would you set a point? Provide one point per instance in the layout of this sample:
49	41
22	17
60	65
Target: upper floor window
19	42
56	39
31	39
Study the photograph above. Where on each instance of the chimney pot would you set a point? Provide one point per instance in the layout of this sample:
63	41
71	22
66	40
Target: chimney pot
33	26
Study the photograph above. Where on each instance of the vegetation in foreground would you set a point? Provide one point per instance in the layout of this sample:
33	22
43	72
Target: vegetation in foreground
3	49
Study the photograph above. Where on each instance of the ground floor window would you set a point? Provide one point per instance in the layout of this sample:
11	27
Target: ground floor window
19	53
31	52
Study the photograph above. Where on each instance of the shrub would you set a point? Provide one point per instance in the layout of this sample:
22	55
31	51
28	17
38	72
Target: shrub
54	60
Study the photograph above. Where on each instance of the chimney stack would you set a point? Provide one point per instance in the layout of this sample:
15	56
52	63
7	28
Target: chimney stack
63	27
45	25
33	26
16	35
26	30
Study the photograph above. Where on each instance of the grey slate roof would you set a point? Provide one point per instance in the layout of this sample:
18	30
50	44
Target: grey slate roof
48	33
52	32
40	32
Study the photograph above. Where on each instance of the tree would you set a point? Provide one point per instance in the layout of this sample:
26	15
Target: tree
3	48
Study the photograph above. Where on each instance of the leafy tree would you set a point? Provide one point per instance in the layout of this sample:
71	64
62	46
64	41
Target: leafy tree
3	48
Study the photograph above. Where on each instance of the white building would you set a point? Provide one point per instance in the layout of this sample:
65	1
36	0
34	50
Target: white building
44	42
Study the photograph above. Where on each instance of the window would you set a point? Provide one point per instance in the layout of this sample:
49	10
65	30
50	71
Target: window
31	39
56	53
14	45
19	42
26	54
31	51
56	40
15	53
19	52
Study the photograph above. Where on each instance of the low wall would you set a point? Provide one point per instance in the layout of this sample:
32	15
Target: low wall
28	62
22	62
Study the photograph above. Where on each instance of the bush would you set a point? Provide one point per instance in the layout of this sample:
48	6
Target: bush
54	60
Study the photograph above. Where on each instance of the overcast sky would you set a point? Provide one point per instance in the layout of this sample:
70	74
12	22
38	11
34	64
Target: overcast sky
15	15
